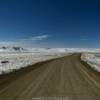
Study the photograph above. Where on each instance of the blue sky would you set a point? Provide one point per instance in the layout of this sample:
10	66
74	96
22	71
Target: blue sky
50	23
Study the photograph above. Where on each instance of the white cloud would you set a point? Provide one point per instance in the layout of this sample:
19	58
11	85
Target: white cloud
36	38
24	42
41	37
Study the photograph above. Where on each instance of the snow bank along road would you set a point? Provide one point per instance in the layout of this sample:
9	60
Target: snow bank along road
93	59
10	61
65	78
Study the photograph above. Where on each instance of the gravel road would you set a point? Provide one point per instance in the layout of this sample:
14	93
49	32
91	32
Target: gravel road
65	78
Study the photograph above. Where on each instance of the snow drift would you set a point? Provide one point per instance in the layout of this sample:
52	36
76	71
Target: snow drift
92	59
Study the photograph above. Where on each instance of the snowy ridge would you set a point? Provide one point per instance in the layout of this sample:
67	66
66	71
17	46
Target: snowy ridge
92	59
81	50
12	49
21	49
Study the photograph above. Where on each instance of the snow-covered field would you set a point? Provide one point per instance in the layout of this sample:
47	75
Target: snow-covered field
93	59
83	50
14	58
11	59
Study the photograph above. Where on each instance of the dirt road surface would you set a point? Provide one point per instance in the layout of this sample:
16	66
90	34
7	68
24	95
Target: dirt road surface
65	78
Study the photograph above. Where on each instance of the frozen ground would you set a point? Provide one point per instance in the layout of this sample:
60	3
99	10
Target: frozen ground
93	59
11	59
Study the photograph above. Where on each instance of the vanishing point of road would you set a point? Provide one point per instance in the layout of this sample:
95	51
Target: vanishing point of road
66	78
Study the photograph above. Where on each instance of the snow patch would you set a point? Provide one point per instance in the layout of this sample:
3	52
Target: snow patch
92	59
10	61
